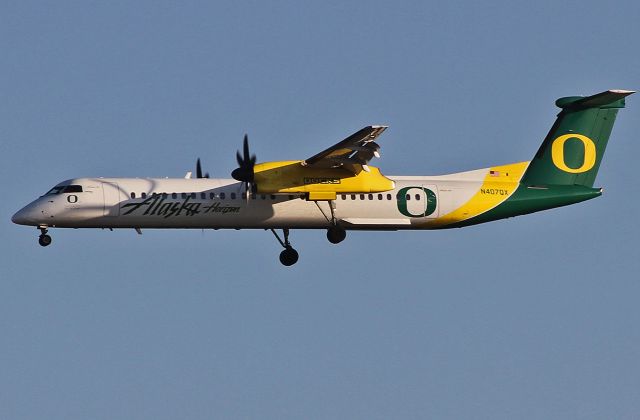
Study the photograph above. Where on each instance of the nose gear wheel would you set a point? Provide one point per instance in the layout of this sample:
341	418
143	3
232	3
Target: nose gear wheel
44	239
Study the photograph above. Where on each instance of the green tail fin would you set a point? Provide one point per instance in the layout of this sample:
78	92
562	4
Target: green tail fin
572	151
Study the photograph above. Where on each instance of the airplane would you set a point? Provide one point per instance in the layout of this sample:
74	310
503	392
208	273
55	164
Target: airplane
337	190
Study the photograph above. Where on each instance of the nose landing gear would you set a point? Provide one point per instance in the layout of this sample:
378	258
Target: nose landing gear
288	256
44	239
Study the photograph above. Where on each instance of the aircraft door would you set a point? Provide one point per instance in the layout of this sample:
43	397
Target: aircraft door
430	201
111	193
418	201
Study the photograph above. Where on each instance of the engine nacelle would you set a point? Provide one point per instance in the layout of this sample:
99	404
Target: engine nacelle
294	177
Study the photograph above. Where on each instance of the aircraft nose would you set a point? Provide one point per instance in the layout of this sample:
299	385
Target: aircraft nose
19	218
23	217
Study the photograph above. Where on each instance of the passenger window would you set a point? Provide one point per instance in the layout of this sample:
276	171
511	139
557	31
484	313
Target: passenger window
370	196
164	195
343	196
273	197
212	195
417	196
133	195
222	195
291	197
233	196
379	196
262	196
184	195
353	196
174	195
408	197
388	196
193	195
144	195
203	195
361	196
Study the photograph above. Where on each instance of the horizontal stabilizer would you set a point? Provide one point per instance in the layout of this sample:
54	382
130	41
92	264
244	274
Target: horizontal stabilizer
607	99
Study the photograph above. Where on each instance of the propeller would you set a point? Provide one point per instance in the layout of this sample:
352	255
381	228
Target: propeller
246	163
199	170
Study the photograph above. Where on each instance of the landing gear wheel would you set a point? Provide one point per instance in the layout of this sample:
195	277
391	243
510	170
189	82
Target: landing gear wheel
44	240
289	256
335	234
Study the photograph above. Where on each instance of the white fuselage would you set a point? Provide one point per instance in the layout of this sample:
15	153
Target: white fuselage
221	203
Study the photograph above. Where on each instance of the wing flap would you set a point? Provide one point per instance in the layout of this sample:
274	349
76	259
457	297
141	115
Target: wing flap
359	148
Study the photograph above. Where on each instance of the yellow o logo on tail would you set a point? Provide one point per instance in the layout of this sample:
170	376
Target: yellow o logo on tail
557	153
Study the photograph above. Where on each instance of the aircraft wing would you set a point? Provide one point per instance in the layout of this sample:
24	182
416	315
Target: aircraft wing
357	149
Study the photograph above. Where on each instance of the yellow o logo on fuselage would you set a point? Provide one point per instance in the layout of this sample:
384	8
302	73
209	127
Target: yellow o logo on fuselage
557	153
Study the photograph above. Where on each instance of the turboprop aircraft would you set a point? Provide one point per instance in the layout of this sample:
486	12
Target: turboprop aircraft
337	190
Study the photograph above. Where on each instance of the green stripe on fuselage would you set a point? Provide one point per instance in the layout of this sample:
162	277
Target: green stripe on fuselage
527	200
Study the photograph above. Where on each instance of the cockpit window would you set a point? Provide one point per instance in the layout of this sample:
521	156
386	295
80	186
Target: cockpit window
55	190
73	189
59	189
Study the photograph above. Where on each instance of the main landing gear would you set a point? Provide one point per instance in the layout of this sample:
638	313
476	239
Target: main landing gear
44	239
335	234
289	256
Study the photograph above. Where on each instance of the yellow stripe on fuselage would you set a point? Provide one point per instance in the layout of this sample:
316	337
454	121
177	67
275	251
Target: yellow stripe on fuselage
499	184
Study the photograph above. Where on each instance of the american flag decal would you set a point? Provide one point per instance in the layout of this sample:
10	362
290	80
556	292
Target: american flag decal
494	173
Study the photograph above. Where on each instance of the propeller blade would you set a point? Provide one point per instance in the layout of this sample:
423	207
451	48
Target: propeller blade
198	169
245	148
246	162
239	158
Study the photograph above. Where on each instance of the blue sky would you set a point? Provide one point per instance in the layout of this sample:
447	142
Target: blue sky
532	317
